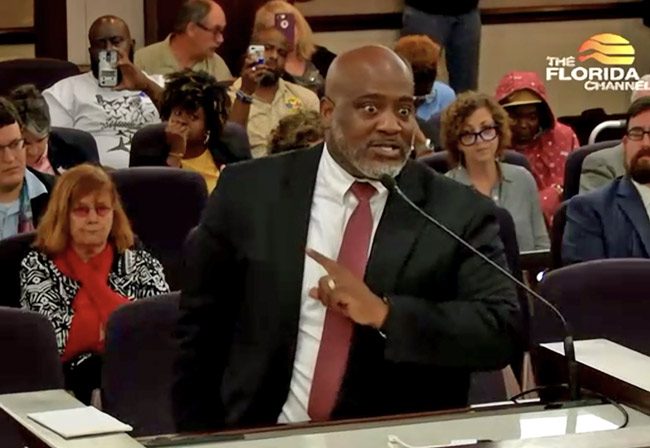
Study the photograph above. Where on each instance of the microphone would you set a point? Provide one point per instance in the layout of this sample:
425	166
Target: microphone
569	349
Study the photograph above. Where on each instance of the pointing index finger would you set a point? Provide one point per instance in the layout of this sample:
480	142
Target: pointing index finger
327	263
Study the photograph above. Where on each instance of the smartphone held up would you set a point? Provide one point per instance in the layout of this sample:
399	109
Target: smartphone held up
286	24
109	74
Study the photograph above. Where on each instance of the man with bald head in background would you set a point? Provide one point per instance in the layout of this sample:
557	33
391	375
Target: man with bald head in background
111	114
312	293
196	35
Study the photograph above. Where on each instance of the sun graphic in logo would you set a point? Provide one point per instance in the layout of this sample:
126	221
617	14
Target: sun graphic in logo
608	49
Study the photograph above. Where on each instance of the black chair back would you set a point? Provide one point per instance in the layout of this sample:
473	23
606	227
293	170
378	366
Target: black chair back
557	233
30	362
600	299
573	166
588	119
42	72
12	252
78	146
137	370
163	204
438	161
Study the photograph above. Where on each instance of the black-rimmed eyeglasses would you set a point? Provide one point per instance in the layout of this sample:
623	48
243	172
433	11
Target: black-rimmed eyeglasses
637	134
216	31
487	135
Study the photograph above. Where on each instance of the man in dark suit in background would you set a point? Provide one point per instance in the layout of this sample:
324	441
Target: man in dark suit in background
613	221
312	293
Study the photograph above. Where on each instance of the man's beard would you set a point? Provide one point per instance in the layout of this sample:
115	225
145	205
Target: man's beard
269	79
353	157
639	170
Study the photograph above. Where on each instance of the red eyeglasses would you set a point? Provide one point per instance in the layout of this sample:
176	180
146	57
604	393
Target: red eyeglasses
82	211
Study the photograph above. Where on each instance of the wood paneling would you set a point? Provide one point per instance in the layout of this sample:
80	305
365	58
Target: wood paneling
50	29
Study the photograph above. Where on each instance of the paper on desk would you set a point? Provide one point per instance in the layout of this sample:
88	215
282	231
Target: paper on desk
78	422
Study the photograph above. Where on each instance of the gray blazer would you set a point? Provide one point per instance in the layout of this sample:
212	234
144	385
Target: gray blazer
601	167
517	193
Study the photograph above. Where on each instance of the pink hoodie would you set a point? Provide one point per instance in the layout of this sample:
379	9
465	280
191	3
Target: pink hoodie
548	152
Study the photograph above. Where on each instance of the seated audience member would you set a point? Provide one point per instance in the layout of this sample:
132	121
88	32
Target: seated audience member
83	267
307	63
422	53
537	134
301	130
261	98
45	153
612	221
111	115
196	109
23	193
196	34
395	329
475	132
602	166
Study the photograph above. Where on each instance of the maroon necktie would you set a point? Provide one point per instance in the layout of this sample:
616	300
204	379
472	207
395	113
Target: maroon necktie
337	330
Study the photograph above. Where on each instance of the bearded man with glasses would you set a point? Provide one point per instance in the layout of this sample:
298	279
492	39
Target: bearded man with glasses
196	35
23	193
614	221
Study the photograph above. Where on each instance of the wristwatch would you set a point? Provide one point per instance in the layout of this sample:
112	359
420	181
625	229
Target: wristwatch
244	97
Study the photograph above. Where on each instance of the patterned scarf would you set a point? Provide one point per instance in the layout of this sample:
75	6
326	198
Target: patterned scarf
25	217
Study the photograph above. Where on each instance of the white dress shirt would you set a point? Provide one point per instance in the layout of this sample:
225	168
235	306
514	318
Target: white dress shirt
644	192
331	207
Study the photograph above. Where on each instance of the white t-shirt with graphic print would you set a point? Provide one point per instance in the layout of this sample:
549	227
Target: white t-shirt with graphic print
111	116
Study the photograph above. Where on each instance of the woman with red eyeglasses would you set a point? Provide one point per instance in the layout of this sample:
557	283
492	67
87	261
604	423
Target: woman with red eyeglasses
83	267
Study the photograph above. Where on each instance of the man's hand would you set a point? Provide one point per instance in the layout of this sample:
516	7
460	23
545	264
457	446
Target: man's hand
341	291
251	75
132	76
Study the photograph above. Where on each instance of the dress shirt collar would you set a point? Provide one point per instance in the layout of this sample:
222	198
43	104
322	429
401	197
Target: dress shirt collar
644	192
338	181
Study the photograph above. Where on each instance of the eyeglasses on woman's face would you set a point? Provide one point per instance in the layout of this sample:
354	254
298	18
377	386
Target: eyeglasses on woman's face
486	134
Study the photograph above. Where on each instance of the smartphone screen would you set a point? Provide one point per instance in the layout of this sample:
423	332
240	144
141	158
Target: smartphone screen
256	53
108	75
286	24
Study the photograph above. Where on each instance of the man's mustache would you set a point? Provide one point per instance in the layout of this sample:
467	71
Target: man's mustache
643	152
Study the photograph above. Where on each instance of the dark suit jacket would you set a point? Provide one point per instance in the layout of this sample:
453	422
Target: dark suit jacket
449	312
610	222
71	147
39	203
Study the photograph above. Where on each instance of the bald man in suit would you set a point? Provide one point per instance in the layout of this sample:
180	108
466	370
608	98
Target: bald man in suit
313	293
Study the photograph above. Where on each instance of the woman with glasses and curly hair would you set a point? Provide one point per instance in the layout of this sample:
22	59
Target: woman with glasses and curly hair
84	265
196	108
476	131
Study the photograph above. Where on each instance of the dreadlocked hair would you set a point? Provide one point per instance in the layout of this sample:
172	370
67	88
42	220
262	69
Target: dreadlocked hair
192	90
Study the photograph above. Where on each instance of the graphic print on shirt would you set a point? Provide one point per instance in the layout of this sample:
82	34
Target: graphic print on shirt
125	116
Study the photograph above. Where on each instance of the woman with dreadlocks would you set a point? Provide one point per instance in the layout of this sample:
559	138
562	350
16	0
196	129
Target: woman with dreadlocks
196	108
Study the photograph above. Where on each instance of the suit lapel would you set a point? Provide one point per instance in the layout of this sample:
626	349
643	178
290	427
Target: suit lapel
632	205
396	234
289	224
